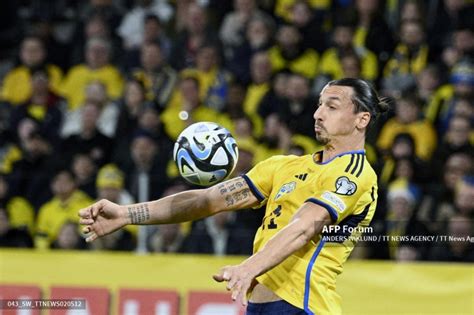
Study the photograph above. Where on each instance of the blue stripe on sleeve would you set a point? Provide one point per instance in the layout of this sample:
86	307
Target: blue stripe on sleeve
331	210
254	189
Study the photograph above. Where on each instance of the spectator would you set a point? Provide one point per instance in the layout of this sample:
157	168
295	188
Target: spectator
283	8
89	140
16	87
406	120
110	185
19	211
410	57
158	78
12	237
233	26
276	138
464	195
235	100
95	93
191	110
260	71
457	248
276	98
213	79
146	172
97	67
297	112
258	37
44	107
309	25
215	235
60	209
372	32
402	152
457	139
460	48
84	170
428	81
131	29
452	14
31	174
289	53
130	106
437	205
104	8
58	51
331	60
444	102
400	221
196	32
69	238
154	32
94	26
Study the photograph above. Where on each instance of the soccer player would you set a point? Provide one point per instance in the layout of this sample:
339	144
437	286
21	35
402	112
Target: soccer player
298	252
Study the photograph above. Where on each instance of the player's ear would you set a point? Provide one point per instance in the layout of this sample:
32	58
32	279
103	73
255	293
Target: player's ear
363	119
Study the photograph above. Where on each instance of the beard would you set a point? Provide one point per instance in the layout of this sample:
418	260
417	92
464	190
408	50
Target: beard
320	139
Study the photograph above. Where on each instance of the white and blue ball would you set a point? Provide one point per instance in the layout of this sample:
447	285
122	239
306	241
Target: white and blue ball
205	153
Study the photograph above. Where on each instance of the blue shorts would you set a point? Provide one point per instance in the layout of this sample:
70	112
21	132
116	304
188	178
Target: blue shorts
273	308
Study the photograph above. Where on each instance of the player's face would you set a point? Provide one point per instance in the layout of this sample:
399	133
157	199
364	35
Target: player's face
335	115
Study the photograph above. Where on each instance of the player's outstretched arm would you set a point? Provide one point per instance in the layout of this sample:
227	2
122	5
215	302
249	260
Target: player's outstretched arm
104	217
305	224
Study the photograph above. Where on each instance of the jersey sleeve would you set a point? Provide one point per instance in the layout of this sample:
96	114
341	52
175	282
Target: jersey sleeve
260	178
342	193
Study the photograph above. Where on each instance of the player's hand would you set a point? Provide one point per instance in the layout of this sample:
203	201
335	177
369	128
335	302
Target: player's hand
240	280
102	218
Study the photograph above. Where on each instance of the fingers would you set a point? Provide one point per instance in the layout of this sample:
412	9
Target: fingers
231	284
84	213
86	221
91	237
235	293
243	294
218	277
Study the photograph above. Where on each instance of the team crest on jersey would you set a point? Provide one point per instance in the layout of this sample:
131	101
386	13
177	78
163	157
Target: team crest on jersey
285	189
344	186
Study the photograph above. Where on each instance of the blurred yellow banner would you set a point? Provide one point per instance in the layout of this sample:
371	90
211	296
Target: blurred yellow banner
366	287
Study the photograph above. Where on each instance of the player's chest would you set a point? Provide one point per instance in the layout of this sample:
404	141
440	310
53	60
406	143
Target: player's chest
289	192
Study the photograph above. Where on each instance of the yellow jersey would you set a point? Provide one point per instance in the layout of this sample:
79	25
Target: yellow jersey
54	214
346	186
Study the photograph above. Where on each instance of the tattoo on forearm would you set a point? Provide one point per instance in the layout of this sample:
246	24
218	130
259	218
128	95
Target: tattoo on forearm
139	213
233	198
232	194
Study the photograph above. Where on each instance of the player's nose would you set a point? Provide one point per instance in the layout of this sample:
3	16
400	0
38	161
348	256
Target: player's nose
318	113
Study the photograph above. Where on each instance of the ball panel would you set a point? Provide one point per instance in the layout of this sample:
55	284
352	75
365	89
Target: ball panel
205	153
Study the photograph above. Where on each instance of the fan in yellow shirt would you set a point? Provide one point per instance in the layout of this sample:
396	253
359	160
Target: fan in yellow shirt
96	68
60	209
175	119
16	87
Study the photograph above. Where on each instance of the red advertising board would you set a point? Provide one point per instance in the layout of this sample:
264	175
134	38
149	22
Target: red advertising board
212	303
153	302
97	299
18	292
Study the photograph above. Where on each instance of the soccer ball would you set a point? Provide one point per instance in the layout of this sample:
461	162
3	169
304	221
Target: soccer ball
205	153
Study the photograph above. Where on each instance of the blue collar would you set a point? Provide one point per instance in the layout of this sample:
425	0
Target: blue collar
319	156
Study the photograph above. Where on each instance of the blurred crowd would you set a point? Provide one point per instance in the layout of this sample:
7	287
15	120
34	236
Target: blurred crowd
94	93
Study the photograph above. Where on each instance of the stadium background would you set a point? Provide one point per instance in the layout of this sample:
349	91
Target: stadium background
93	94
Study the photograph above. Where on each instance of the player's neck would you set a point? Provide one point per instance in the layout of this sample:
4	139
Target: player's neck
341	145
